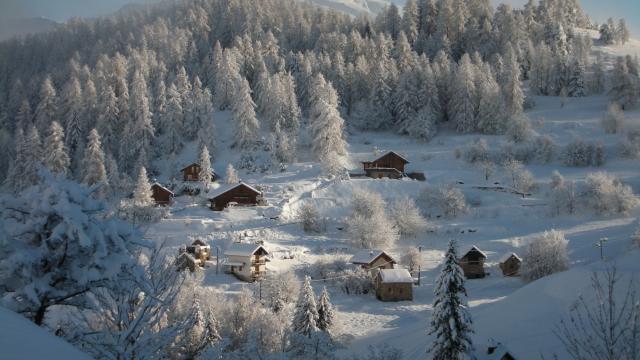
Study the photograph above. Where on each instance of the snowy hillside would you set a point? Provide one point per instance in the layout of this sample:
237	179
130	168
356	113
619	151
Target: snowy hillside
354	7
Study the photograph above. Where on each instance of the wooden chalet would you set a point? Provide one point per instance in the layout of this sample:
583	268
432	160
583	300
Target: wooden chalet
373	259
237	194
200	251
472	263
161	195
510	264
390	165
246	261
394	285
192	173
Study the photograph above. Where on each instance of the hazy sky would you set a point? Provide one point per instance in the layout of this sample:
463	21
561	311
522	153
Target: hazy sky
61	10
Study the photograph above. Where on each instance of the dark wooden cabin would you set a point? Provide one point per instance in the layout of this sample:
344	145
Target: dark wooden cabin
472	263
161	195
373	259
394	285
192	173
390	160
510	264
240	194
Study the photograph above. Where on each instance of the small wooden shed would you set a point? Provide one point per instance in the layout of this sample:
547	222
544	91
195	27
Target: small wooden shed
192	173
161	195
239	194
472	263
496	351
373	259
388	161
510	264
394	285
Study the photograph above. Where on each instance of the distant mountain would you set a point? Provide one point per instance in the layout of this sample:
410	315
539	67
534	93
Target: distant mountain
12	27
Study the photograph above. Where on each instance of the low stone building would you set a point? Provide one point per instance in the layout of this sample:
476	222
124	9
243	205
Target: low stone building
246	261
472	263
373	259
394	285
510	264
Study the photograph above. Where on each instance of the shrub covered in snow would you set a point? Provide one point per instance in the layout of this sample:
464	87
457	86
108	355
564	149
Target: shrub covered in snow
605	193
310	218
630	144
412	258
446	199
476	151
354	281
368	225
613	121
407	217
544	255
281	289
519	129
327	265
521	179
541	150
580	153
563	196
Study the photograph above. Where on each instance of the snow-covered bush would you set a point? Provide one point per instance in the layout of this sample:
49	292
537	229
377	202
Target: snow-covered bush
231	175
606	194
310	218
613	121
519	129
58	245
327	265
563	195
580	153
447	199
630	144
476	151
412	258
368	226
355	281
407	217
280	289
541	149
521	179
544	255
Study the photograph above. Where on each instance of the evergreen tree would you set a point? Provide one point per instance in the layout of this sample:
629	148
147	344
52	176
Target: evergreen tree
72	111
491	111
576	85
139	133
172	122
462	106
380	103
325	312
326	126
24	117
142	194
94	163
107	120
47	108
231	176
512	88
205	168
226	80
624	88
246	124
56	158
31	155
305	317
450	320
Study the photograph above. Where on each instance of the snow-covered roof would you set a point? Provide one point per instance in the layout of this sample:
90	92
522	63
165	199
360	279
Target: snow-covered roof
162	187
21	339
476	249
391	152
367	256
498	351
196	164
506	257
241	249
395	276
227	187
232	263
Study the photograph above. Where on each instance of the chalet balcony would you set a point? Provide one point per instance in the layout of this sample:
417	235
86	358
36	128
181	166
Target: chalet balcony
258	261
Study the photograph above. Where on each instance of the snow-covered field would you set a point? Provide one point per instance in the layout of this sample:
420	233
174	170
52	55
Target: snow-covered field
522	316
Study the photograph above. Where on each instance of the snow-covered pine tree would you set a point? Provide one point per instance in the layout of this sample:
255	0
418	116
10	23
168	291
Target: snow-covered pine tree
326	315
17	166
24	117
72	111
576	85
512	88
47	108
624	88
62	248
172	122
450	320
107	120
231	175
491	110
379	115
226	79
462	108
31	150
245	123
93	163
142	194
139	131
597	80
55	154
326	126
305	318
206	170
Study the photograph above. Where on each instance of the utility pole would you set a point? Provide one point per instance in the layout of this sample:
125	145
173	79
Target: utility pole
217	258
419	263
600	244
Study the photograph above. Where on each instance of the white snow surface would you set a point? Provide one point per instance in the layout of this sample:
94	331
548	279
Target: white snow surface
521	316
20	339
